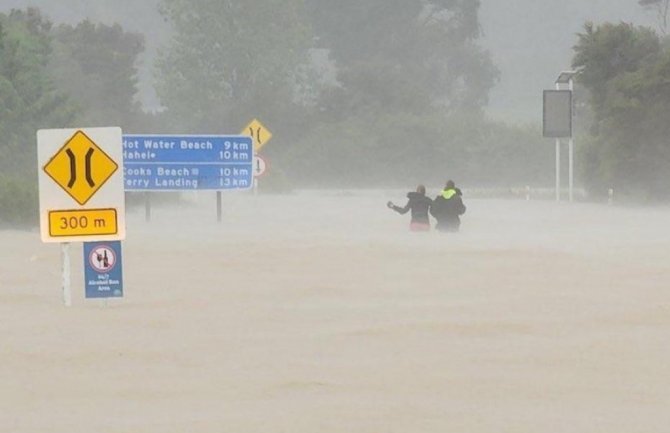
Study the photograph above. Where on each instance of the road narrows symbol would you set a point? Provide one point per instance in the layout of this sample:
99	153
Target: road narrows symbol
259	134
80	153
73	168
89	180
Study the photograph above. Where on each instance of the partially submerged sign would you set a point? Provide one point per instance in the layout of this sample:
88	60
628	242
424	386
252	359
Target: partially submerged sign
80	174
103	270
187	162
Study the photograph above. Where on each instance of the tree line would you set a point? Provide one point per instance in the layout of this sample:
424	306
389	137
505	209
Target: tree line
55	77
373	93
626	71
376	93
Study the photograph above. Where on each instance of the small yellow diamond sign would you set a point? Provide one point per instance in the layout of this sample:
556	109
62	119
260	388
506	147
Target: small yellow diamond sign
259	134
80	167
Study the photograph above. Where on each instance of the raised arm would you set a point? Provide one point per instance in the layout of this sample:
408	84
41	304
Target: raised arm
402	210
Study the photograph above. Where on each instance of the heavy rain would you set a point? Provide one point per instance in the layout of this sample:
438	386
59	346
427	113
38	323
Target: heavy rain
334	216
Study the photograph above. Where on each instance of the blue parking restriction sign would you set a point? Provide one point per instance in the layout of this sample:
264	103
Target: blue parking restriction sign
103	269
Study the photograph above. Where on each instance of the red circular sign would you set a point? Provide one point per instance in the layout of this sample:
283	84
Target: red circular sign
102	258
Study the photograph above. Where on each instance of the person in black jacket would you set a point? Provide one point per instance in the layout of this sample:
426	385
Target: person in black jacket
447	208
419	204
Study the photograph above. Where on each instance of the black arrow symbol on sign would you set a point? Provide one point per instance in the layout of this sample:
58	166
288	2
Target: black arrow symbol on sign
258	135
258	166
73	168
89	179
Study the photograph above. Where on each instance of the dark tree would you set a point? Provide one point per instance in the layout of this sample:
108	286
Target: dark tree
96	65
406	55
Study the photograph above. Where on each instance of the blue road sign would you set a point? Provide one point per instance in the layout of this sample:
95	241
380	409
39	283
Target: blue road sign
187	162
103	270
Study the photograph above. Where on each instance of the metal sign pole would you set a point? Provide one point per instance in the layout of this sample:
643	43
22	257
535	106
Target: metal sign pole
65	261
558	162
147	206
571	145
255	186
557	124
558	169
219	212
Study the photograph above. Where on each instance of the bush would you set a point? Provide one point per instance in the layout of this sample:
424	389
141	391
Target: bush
400	149
18	203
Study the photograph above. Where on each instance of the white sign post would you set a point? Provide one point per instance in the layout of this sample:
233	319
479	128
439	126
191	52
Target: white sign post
80	174
557	123
65	270
260	168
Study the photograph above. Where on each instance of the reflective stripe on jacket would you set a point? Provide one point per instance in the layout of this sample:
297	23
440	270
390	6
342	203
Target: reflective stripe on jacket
448	193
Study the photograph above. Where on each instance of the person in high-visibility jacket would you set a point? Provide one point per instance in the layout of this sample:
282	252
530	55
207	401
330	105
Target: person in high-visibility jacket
419	204
447	208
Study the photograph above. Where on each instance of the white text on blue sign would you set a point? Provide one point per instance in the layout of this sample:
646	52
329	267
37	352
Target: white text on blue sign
171	162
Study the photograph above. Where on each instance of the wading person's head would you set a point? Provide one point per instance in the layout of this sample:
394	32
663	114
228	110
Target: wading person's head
421	189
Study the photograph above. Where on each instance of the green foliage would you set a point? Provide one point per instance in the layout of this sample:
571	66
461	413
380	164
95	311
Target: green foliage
231	61
28	101
411	82
95	65
18	202
406	107
608	51
627	71
55	78
401	149
404	55
27	98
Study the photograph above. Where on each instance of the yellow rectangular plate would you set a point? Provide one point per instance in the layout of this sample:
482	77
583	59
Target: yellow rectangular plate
87	222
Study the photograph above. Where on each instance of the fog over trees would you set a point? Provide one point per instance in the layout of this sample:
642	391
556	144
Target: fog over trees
626	69
358	94
531	42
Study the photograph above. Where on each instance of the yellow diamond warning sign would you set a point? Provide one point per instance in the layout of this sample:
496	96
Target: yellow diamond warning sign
80	167
80	177
260	135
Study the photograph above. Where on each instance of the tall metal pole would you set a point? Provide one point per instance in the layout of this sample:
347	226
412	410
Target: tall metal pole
558	169
558	162
571	163
571	152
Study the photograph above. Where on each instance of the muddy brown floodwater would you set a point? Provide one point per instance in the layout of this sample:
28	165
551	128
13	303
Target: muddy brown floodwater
319	312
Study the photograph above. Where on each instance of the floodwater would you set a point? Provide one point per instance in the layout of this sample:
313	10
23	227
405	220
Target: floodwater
320	312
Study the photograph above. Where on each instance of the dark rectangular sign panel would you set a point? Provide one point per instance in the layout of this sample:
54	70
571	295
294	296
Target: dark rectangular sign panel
557	113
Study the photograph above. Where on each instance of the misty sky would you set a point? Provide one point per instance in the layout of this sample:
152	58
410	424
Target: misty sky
531	40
